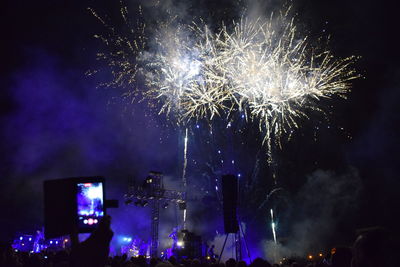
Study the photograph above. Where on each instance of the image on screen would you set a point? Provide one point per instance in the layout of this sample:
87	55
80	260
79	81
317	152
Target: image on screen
90	204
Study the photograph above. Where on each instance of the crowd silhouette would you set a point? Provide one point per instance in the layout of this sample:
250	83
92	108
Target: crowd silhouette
372	248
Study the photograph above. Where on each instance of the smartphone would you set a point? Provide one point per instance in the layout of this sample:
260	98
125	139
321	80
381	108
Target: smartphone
90	204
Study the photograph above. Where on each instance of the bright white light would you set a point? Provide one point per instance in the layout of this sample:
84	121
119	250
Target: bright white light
179	244
95	192
273	225
127	239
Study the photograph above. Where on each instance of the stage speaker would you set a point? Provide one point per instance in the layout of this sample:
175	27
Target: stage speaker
230	202
59	207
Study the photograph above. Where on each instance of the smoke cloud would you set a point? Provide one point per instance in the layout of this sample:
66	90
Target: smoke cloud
323	205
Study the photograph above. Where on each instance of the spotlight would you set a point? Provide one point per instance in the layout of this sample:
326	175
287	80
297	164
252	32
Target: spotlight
144	203
127	239
165	205
179	244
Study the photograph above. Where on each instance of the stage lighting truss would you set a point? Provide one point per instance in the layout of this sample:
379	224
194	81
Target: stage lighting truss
153	192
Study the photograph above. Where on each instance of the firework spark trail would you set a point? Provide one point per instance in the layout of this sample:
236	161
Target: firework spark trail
184	180
185	158
273	224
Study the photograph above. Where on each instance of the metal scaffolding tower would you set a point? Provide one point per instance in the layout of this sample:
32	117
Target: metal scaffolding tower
152	191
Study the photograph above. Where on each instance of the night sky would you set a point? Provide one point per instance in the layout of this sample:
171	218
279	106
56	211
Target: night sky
56	123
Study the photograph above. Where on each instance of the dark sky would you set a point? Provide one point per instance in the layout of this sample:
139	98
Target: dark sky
55	122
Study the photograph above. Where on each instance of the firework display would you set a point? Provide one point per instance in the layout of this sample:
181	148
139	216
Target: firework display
261	68
275	76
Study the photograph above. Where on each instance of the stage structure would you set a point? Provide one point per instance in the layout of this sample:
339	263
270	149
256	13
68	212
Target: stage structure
152	192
